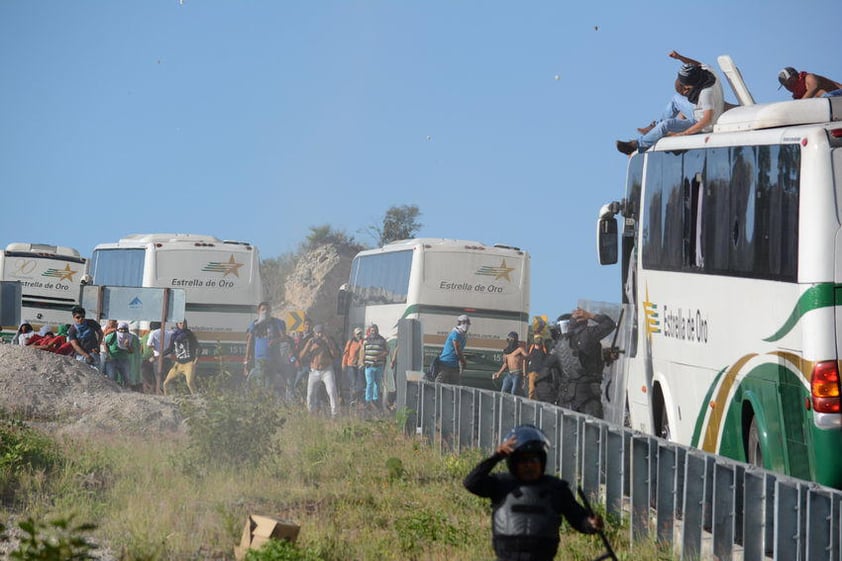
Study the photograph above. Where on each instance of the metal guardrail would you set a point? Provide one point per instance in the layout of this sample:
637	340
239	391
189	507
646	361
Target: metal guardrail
704	506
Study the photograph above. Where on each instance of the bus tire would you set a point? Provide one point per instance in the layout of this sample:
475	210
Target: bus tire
754	452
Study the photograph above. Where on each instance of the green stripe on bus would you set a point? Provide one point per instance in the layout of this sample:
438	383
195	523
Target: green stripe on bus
819	296
455	311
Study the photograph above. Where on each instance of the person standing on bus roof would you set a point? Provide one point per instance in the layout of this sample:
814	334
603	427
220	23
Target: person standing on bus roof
697	83
322	353
374	354
804	85
526	503
452	357
85	335
514	358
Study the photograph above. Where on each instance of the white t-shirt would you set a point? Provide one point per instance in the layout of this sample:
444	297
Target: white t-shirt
710	98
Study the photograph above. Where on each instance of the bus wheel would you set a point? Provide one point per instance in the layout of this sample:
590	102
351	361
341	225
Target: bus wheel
754	454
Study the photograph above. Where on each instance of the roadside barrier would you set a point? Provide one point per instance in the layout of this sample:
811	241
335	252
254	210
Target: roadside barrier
704	506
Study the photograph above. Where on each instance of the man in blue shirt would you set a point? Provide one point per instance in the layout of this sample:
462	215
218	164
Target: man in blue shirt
452	357
263	347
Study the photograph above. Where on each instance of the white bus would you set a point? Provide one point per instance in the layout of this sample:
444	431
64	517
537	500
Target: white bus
435	280
731	253
50	277
220	278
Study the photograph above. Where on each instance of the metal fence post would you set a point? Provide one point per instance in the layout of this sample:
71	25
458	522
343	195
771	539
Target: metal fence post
640	490
724	501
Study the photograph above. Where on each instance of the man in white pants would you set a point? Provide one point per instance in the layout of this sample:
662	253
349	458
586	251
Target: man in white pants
322	353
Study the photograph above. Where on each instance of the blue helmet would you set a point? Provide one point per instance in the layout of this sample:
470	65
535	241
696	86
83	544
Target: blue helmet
529	439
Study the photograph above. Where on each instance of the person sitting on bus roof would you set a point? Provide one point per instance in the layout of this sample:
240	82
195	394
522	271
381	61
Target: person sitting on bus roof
804	85
698	85
452	357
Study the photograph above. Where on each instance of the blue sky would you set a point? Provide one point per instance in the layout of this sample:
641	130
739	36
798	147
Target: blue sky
254	120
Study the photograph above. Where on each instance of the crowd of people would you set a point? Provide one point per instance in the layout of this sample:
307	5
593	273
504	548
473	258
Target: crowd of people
562	365
699	101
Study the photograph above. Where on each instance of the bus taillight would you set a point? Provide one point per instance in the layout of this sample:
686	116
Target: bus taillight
824	386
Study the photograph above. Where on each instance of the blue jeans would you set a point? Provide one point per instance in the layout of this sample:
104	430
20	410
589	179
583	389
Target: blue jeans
669	121
118	370
373	380
95	361
834	93
511	383
355	380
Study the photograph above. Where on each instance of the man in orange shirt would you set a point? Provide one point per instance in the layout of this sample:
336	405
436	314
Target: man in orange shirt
354	385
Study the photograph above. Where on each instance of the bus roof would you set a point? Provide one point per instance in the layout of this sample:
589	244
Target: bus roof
780	114
42	248
439	243
140	240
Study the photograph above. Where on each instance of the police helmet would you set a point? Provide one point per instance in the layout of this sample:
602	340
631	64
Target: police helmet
529	439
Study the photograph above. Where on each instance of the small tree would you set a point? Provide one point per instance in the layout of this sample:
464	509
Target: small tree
399	223
325	234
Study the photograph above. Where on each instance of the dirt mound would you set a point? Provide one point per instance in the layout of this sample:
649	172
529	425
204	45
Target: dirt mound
71	397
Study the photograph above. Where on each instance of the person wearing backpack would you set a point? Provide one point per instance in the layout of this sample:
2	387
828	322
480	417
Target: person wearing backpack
85	335
185	351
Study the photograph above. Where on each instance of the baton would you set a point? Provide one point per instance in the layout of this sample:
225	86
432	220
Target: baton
609	550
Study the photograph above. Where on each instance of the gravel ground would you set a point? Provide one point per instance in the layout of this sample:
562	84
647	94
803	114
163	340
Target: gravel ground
68	397
65	397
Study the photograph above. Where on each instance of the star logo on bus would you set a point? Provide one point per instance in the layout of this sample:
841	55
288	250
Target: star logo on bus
502	271
653	321
228	268
65	274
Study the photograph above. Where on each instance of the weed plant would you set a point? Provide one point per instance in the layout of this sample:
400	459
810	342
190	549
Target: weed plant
359	488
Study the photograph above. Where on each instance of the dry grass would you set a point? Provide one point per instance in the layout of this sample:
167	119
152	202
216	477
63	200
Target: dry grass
360	490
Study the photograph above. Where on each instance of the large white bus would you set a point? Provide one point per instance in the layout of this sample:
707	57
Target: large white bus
435	280
731	253
50	278
220	278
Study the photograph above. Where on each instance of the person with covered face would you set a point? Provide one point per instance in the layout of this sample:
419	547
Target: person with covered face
321	352
698	103
805	85
527	504
514	360
452	357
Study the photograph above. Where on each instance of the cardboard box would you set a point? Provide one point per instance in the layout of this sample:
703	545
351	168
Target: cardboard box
260	529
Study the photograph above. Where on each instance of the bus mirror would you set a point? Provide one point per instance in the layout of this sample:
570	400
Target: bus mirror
607	240
343	300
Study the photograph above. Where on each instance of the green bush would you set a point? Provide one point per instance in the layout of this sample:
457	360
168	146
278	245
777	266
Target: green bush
231	428
57	540
23	451
422	528
282	550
